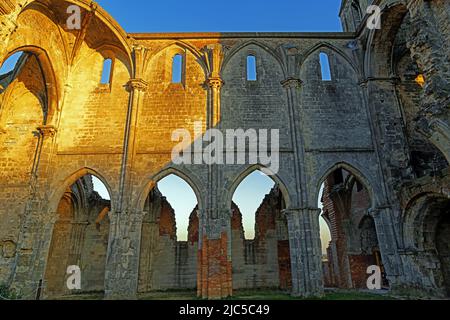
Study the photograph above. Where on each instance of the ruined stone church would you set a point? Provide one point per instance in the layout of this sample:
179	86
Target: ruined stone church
373	133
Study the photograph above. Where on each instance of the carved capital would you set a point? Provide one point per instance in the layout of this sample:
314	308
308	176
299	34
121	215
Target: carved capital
141	56
215	82
137	84
292	82
47	131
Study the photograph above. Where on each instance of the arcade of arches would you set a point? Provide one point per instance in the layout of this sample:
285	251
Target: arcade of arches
86	125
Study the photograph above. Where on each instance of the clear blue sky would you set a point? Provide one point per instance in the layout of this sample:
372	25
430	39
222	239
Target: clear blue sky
225	16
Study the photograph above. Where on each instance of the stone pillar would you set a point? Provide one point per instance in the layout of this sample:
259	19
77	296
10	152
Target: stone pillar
137	88
291	55
388	132
214	249
214	56
32	254
293	87
214	269
388	244
37	223
215	85
122	265
122	262
306	252
77	234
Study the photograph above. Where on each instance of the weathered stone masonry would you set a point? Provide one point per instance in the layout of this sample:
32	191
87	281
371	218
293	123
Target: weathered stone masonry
374	120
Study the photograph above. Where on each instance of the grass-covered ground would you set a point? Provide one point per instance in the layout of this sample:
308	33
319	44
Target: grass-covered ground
329	295
250	295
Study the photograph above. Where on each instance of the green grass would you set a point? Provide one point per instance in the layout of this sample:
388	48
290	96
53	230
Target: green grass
269	295
265	294
169	295
333	295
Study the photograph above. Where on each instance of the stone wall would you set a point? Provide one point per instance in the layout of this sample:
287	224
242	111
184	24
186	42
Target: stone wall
371	119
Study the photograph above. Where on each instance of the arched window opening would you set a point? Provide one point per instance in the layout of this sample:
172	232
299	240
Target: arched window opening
325	67
171	187
7	69
10	63
107	71
23	108
352	244
169	237
248	197
259	227
80	238
252	74
177	69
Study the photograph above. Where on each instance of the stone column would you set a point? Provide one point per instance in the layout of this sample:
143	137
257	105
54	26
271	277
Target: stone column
293	86
215	85
306	253
387	240
37	224
388	135
122	265
77	234
214	57
32	254
214	250
389	246
122	262
214	277
137	88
